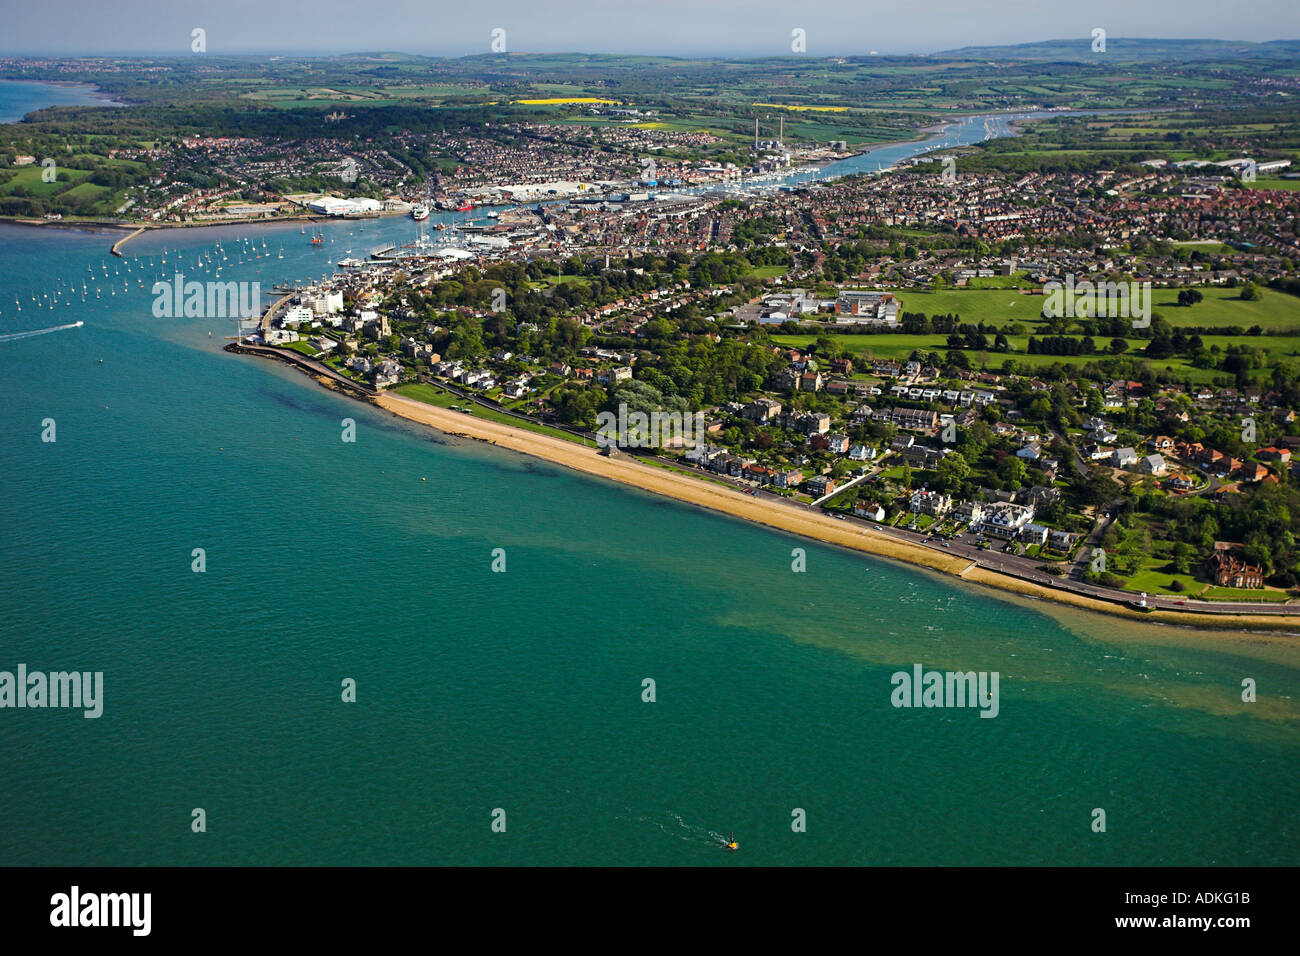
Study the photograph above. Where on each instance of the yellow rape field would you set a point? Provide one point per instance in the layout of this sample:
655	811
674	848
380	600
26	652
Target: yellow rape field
818	109
565	99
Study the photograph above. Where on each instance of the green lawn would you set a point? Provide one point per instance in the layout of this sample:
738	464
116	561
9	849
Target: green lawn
1277	183
29	178
1239	594
86	191
547	282
1154	581
681	470
432	395
1220	306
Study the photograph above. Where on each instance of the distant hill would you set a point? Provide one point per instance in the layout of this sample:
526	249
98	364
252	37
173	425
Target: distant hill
1129	48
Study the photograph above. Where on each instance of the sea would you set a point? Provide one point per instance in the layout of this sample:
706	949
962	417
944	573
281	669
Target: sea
20	97
548	668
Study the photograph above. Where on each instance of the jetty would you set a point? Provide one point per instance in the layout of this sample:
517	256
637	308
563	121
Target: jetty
117	246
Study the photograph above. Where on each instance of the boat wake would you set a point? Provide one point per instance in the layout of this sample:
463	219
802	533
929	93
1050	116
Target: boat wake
675	826
15	336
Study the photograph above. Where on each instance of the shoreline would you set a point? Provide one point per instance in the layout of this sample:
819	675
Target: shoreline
136	228
822	528
819	527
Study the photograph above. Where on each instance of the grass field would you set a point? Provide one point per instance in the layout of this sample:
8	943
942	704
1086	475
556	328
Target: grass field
29	178
1001	307
1272	310
432	395
547	282
900	346
87	191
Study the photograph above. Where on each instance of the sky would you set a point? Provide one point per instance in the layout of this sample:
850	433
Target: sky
665	27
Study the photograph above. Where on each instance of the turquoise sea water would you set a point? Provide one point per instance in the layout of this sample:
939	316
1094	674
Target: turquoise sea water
522	690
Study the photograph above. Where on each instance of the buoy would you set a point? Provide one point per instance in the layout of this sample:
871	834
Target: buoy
424	479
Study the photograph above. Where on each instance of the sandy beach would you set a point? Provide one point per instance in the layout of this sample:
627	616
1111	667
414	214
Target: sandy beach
820	527
694	491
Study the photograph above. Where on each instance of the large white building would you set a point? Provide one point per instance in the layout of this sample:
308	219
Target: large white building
1005	519
333	206
325	303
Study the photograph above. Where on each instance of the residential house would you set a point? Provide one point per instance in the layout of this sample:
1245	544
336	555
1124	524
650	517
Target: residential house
820	485
1034	534
1004	519
787	479
869	510
1030	452
862	452
1229	569
1124	458
1153	465
929	503
761	410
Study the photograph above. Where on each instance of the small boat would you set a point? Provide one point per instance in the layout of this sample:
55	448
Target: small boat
318	239
731	842
465	207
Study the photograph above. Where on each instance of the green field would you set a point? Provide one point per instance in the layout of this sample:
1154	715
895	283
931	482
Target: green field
1275	183
433	395
1272	310
900	346
1221	307
29	178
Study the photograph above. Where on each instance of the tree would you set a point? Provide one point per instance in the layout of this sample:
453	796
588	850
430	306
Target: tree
1012	471
953	470
828	348
1118	346
1249	292
1189	297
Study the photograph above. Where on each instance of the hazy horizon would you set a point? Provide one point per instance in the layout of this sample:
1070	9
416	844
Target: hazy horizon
730	28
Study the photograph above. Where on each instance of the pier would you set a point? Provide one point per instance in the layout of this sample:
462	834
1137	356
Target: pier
117	246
